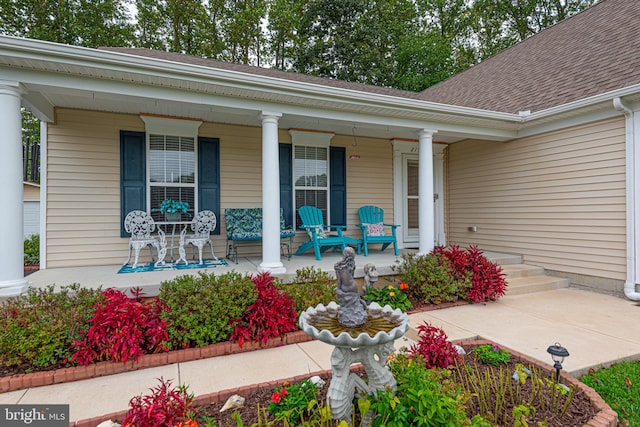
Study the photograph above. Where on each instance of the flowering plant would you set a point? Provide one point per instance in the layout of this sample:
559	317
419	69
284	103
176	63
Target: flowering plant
291	402
388	295
173	206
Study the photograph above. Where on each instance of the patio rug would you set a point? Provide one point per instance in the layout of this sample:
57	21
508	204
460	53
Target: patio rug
206	263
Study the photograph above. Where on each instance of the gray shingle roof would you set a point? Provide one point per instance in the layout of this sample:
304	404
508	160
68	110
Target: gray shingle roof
593	52
259	71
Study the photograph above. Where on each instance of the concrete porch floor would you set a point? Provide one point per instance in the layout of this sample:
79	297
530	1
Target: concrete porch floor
107	276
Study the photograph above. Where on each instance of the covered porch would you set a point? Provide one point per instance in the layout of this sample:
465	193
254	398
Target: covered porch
97	122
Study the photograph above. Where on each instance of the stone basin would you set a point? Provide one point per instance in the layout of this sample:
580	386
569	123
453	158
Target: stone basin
384	325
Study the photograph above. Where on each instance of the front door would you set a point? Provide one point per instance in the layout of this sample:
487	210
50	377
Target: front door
410	196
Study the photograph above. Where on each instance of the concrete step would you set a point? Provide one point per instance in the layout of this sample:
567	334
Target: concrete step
522	270
530	284
523	278
503	259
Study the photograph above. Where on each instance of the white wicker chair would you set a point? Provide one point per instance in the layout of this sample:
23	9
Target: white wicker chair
202	225
141	225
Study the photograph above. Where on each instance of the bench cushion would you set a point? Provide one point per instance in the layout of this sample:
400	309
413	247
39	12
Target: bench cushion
246	224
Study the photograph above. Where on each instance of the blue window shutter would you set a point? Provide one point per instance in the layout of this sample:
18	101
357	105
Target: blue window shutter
209	177
133	175
338	189
286	183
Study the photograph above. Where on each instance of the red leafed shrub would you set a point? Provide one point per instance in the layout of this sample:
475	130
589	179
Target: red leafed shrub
487	280
164	407
271	315
122	328
434	347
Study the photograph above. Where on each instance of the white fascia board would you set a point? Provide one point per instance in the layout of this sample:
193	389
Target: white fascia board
417	124
61	82
564	123
587	110
606	97
157	68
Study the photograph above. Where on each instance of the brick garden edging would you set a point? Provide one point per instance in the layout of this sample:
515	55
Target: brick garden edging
99	369
605	417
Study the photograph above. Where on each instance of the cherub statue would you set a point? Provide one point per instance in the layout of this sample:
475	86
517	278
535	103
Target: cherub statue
370	276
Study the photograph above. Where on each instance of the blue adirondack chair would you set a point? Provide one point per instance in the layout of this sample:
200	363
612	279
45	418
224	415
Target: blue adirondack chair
319	240
373	229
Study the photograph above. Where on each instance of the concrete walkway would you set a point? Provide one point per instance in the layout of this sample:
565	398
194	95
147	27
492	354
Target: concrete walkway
596	329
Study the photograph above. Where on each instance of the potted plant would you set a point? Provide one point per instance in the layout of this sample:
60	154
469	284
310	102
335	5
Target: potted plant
172	209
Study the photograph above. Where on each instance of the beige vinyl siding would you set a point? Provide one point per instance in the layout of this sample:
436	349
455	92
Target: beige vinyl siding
83	188
558	199
369	178
83	182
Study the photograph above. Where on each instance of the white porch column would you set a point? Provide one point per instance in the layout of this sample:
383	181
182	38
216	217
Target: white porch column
12	281
438	176
270	195
425	184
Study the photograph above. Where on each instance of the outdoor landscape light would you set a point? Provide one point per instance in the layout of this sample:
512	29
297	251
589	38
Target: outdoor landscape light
558	353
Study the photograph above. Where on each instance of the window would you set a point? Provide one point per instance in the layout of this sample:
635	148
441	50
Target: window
311	184
158	165
172	161
311	171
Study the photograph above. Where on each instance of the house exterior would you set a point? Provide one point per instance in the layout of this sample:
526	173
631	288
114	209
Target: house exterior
530	152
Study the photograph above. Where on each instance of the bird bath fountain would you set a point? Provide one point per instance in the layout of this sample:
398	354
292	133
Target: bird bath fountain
360	334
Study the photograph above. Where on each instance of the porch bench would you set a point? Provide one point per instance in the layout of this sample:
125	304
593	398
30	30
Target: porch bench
245	225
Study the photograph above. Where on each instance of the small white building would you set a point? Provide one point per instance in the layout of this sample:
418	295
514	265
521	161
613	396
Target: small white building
31	208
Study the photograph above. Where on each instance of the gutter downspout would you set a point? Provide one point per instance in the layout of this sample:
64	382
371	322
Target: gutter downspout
630	284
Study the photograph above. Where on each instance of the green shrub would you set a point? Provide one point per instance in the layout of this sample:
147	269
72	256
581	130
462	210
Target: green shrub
32	250
431	279
201	308
38	327
487	279
311	287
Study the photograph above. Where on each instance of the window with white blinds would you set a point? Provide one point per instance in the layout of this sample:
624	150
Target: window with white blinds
171	171
311	170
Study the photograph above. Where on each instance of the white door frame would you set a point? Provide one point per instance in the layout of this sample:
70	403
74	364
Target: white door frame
407	238
402	151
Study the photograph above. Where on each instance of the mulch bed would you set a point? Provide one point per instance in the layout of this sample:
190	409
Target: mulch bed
580	411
